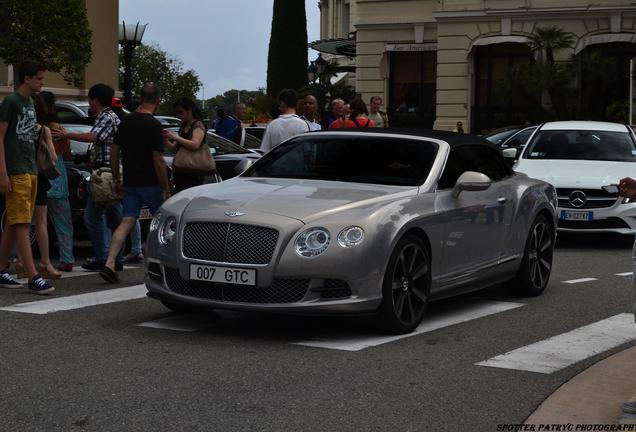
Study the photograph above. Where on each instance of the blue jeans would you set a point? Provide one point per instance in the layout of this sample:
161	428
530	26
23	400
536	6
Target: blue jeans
100	222
135	240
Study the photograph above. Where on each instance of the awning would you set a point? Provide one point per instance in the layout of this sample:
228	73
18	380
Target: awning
603	39
492	40
346	47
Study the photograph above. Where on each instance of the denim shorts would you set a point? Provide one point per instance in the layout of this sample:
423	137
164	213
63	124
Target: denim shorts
136	196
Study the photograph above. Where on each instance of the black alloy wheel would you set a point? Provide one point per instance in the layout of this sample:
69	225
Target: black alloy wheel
406	287
536	266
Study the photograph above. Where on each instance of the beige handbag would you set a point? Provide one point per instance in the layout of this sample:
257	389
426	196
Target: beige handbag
44	158
195	162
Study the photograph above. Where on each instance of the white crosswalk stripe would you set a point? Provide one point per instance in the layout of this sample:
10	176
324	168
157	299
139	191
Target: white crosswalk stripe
624	274
558	352
432	321
187	322
574	281
77	271
79	301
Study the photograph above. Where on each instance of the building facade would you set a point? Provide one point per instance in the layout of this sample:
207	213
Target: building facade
437	62
103	18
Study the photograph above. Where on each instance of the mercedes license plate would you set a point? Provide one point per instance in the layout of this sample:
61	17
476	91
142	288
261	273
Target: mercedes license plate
569	215
231	275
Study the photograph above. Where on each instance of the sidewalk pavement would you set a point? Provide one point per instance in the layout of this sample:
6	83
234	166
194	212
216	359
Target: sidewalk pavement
595	396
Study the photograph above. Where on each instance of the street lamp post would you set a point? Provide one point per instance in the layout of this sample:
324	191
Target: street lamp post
130	36
319	78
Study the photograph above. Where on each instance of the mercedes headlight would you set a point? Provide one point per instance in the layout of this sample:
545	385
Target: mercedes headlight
167	230
351	236
154	224
312	242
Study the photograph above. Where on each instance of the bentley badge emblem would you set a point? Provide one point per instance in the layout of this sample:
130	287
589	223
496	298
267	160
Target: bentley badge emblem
233	213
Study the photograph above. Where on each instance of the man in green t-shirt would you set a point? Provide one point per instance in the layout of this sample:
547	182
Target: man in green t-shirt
18	175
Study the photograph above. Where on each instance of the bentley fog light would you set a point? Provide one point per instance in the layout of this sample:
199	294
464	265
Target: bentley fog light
351	236
154	224
312	242
168	230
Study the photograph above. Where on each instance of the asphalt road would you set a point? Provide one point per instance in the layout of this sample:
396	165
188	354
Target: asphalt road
96	369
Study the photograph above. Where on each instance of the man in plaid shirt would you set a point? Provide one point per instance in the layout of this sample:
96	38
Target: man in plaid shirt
102	134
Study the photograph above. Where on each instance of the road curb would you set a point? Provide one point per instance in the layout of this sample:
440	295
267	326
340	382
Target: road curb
594	396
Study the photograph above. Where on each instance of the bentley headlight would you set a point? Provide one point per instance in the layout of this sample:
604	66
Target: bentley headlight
312	242
167	230
154	224
351	236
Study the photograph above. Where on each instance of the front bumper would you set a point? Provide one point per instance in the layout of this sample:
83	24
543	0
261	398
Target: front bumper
619	218
295	295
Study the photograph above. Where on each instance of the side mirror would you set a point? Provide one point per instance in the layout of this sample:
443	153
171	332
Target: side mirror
243	165
471	181
510	153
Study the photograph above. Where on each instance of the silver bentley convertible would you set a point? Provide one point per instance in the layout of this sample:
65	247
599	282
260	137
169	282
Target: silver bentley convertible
355	222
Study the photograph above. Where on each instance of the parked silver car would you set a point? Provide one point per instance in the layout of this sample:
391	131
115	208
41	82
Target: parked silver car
355	222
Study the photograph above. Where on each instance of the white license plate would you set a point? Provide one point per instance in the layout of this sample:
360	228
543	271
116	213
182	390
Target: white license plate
145	214
575	215
231	275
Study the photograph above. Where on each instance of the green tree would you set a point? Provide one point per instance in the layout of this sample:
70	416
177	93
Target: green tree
287	59
547	40
53	32
150	63
544	82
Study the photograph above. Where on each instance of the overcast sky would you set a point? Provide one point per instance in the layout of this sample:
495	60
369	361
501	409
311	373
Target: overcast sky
224	42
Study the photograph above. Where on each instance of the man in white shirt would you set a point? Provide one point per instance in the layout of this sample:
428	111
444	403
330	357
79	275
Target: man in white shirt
287	124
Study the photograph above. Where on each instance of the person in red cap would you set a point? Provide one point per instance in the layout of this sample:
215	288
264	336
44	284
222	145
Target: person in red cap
118	108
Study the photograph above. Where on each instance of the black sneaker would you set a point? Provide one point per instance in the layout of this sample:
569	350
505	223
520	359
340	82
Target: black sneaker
6	281
98	265
93	265
38	285
108	275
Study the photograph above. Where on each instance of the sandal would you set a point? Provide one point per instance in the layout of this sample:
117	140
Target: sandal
47	271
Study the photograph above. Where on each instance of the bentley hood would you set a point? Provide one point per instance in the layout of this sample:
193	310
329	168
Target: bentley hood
297	199
583	174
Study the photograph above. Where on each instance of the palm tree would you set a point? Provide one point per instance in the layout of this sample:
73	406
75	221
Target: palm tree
552	76
549	40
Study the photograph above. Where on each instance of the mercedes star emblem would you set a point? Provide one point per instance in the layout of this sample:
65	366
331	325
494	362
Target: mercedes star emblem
577	199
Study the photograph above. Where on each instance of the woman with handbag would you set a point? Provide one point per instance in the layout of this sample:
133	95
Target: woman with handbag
58	206
44	138
191	163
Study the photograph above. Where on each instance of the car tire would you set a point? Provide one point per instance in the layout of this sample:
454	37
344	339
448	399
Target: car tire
406	286
184	308
534	273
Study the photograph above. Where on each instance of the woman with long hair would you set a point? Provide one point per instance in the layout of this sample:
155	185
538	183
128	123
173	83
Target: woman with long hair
58	206
191	135
357	118
45	267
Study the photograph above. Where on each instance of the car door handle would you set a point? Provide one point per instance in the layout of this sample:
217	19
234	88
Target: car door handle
502	200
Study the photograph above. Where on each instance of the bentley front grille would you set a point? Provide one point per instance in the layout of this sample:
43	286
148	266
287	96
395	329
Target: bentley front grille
229	243
281	290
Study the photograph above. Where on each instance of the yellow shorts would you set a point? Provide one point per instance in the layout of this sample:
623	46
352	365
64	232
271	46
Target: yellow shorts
20	202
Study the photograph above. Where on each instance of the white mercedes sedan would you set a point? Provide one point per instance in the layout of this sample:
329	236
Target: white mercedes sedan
578	158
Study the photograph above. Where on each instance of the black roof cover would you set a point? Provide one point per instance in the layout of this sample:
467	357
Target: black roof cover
452	138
